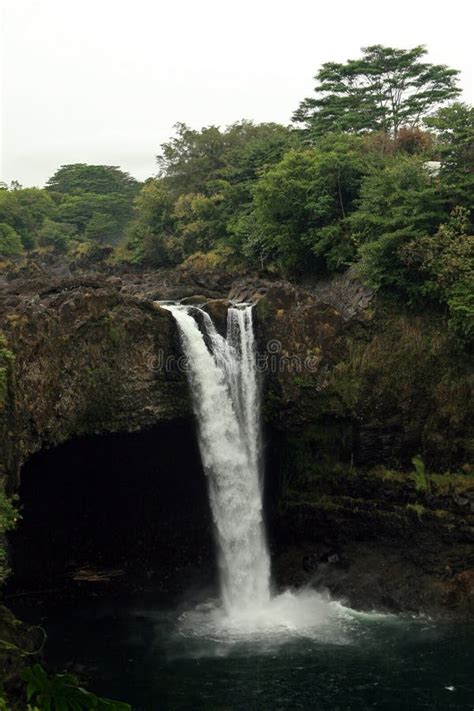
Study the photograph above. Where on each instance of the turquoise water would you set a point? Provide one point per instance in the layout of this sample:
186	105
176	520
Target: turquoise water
145	656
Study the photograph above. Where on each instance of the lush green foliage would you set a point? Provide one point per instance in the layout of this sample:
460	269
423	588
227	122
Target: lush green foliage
361	185
10	241
454	130
81	203
55	235
62	692
205	185
301	207
8	519
383	90
444	263
25	210
93	200
79	178
398	202
212	159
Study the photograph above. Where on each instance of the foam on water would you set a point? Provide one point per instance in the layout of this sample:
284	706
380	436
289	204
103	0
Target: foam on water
305	614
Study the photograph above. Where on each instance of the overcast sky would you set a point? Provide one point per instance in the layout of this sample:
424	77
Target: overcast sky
103	81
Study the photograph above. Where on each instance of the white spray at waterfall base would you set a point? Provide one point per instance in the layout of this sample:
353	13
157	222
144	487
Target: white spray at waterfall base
226	396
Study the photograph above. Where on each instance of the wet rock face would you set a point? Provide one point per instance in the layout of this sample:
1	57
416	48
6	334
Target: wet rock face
197	300
389	384
87	360
92	350
370	385
217	310
351	385
380	539
354	390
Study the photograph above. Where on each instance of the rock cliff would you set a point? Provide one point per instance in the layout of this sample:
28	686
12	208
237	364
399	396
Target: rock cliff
366	409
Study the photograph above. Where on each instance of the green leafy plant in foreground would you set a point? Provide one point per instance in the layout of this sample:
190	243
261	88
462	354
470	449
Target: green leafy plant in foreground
4	706
62	692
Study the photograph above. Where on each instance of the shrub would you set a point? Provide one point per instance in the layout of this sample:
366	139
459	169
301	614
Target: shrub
62	692
10	241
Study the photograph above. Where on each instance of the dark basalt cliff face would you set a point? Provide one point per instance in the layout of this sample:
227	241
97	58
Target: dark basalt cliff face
354	389
369	444
87	359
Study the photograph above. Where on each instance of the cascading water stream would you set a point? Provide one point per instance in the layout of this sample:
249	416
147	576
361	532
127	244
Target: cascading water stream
226	395
223	378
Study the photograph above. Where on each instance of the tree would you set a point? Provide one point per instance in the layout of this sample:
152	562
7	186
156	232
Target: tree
154	207
191	159
80	210
454	130
56	235
102	228
149	237
199	221
205	184
96	199
413	140
398	203
10	241
77	178
25	211
302	204
445	264
199	161
384	89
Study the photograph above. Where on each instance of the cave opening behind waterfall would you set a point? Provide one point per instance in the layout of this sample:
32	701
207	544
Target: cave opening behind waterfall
115	513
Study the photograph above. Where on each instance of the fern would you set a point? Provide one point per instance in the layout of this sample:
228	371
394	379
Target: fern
62	692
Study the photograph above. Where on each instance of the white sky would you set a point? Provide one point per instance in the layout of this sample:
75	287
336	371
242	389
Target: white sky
103	81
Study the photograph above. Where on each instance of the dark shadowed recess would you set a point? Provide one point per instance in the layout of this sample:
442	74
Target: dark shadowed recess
114	514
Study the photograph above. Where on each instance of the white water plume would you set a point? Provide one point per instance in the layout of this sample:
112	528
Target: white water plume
225	394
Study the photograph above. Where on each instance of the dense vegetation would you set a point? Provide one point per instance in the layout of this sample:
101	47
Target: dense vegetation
376	172
81	204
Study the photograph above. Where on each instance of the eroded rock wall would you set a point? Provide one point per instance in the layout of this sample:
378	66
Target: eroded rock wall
368	410
354	389
87	359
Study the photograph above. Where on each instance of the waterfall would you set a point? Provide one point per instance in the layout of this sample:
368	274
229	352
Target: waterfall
224	384
226	397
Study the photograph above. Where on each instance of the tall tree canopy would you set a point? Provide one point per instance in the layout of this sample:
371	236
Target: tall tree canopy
10	241
454	130
301	206
25	211
97	200
194	161
384	89
77	178
205	182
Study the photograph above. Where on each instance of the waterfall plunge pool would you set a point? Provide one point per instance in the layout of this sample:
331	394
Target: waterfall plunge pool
141	653
247	648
